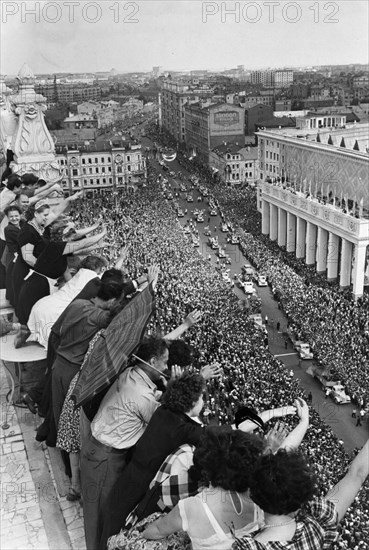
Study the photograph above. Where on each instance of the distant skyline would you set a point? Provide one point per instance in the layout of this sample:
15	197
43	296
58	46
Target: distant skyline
86	36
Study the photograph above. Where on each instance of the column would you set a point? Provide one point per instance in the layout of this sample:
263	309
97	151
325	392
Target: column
291	232
322	250
346	261
358	270
300	238
332	257
265	221
282	227
310	243
273	222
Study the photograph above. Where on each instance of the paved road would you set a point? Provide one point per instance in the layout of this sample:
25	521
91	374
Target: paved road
338	417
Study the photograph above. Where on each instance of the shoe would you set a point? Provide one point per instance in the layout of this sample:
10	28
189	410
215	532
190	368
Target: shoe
73	495
27	400
42	432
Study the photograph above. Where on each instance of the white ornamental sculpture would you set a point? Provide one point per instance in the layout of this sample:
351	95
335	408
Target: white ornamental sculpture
8	120
32	144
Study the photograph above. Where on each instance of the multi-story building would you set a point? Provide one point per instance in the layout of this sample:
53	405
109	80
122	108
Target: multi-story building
314	200
68	93
101	168
262	77
282	79
211	125
235	165
172	100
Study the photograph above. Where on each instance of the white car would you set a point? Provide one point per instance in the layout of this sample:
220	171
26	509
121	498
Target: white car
226	277
189	198
221	253
213	213
235	239
248	287
339	395
180	214
305	352
261	280
172	174
224	228
195	241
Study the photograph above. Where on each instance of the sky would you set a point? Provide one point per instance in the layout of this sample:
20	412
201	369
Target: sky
89	36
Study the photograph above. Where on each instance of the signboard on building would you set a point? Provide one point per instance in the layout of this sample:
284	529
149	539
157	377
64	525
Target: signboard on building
226	118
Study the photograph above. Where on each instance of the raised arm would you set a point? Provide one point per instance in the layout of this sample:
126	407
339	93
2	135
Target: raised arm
76	246
123	253
162	527
86	231
344	492
59	209
191	319
294	438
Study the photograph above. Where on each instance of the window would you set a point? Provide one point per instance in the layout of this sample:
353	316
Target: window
91	182
104	180
103	169
102	159
110	180
75	183
75	172
96	170
85	182
89	161
98	181
119	169
128	158
83	161
128	168
96	160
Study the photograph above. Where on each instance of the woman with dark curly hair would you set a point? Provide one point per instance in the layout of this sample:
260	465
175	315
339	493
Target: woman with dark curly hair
223	463
283	486
172	424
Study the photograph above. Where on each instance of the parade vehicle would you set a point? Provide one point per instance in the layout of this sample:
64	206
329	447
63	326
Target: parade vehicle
228	260
224	228
226	277
305	352
213	212
214	243
235	239
248	272
183	188
180	213
169	196
205	192
200	217
207	231
221	253
172	174
195	241
189	198
247	287
339	395
261	280
187	230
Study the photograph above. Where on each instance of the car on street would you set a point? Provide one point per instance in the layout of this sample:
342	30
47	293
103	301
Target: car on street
207	231
305	352
213	212
226	277
180	213
189	198
339	395
172	174
200	218
221	253
224	228
261	280
195	241
235	239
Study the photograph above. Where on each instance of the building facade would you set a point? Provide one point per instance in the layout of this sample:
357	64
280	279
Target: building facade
207	127
314	199
172	100
101	170
235	165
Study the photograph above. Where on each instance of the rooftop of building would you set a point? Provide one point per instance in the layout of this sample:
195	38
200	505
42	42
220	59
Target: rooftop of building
352	137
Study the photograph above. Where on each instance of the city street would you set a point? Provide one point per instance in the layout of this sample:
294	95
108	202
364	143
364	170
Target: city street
338	417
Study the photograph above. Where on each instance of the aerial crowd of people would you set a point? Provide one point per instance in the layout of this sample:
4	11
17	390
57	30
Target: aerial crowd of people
234	474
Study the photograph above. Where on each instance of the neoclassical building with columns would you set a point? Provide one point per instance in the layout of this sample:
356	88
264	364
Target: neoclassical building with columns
313	195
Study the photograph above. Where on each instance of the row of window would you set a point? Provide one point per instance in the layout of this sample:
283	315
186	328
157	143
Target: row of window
272	156
102	160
